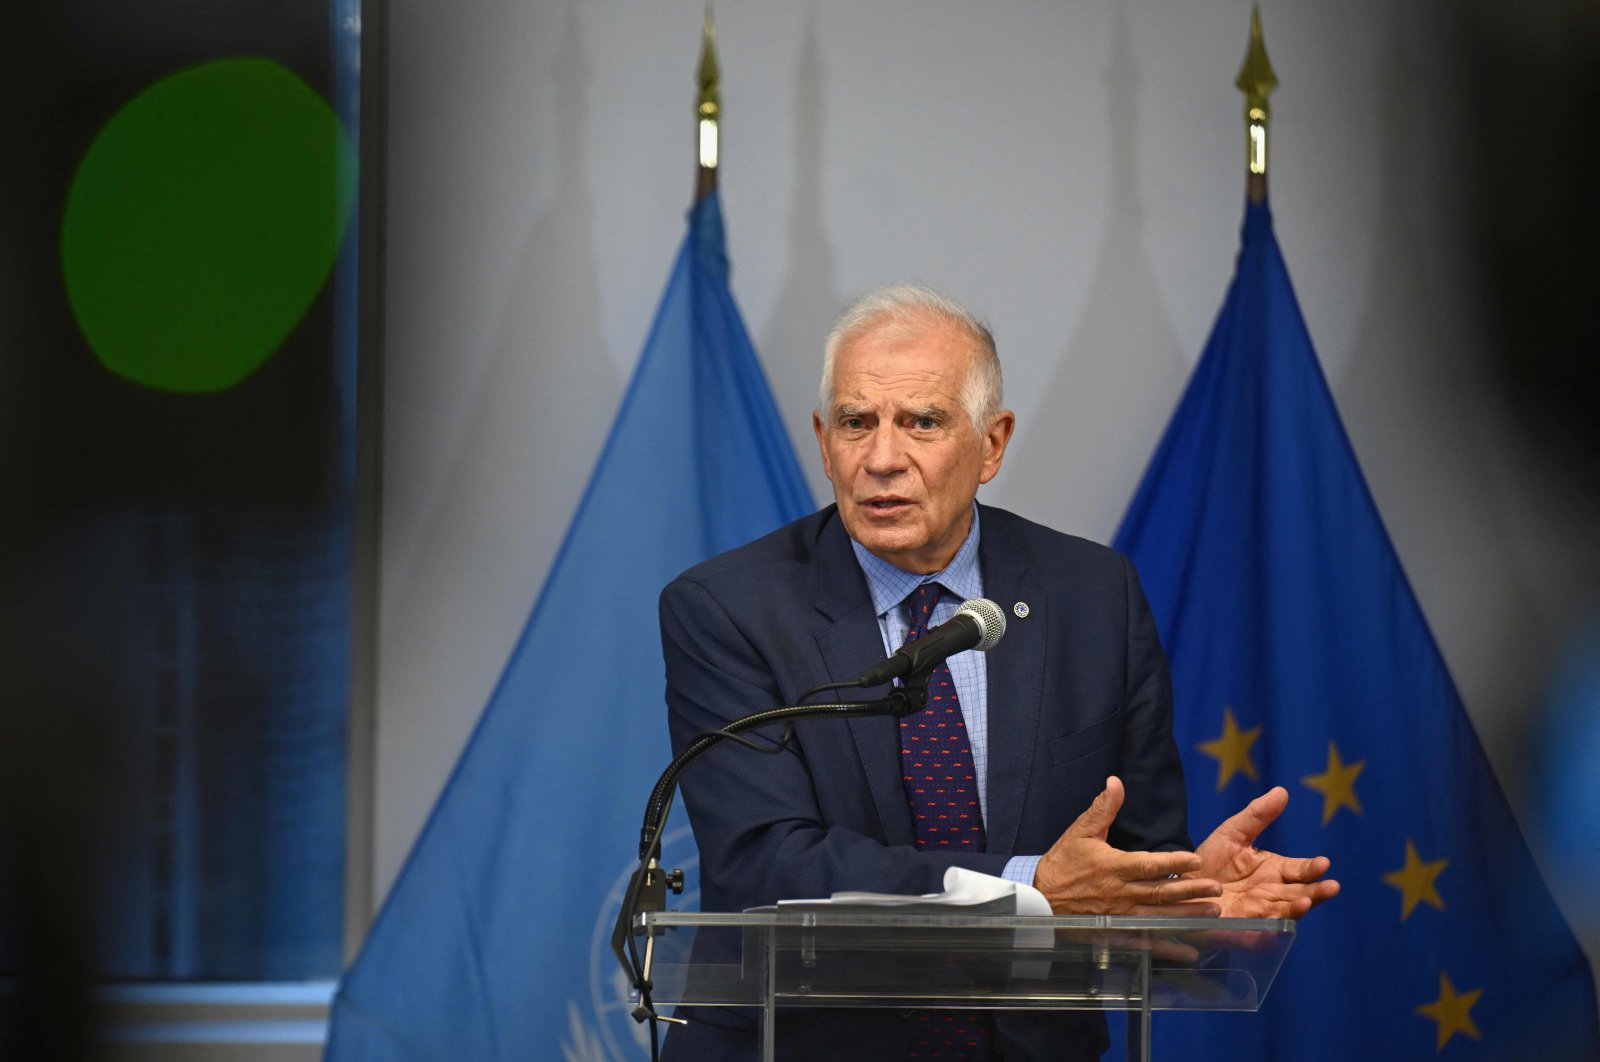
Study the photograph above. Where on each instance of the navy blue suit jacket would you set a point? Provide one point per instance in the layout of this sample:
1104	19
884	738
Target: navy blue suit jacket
1078	690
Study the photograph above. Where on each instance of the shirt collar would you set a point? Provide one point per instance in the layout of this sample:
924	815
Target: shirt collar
890	586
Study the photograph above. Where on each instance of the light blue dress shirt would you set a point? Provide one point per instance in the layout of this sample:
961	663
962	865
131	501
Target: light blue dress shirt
961	580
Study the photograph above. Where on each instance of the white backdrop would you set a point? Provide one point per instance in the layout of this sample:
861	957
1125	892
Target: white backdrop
1072	171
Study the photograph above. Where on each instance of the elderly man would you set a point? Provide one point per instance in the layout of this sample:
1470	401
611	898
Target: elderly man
1058	741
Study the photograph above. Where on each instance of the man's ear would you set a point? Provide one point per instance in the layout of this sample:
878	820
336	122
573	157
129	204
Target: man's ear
822	442
995	441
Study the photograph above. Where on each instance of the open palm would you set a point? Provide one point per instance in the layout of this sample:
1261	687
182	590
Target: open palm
1257	883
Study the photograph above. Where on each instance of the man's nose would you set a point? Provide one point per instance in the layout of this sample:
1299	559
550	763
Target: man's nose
886	452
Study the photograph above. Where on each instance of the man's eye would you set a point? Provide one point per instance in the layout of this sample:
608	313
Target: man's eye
926	423
853	423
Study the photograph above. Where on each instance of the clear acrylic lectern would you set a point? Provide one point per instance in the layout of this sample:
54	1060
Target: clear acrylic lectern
826	957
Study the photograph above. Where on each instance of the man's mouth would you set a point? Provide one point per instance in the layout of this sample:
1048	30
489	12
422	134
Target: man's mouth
885	505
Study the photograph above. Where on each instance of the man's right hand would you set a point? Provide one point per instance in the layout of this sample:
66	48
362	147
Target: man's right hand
1082	873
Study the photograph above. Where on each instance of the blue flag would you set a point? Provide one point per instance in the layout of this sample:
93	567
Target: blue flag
1301	658
494	942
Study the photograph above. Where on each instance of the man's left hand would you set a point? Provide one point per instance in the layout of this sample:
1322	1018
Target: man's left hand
1258	884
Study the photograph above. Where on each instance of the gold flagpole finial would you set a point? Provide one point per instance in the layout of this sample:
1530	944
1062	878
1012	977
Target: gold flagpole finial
708	111
1256	80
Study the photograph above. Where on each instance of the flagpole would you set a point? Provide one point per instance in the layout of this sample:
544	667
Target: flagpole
1256	80
649	884
708	111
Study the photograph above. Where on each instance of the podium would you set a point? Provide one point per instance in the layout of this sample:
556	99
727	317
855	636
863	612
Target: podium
890	958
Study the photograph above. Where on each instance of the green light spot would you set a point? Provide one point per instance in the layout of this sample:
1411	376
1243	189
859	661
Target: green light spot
203	221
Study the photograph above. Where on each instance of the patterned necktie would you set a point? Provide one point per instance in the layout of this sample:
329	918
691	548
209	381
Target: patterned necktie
942	789
936	754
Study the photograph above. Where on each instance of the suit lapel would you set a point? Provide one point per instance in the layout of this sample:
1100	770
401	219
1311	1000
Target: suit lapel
850	642
1016	679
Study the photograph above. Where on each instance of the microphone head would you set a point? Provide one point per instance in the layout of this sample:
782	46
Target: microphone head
991	620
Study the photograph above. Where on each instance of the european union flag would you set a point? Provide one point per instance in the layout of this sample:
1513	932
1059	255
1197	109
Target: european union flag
1301	658
494	942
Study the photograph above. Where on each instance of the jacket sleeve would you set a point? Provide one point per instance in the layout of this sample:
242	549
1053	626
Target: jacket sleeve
1155	816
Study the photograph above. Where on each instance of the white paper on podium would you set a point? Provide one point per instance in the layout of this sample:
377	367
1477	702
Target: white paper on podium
969	892
962	888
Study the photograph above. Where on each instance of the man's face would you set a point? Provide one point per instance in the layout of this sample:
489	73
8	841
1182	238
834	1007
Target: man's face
898	446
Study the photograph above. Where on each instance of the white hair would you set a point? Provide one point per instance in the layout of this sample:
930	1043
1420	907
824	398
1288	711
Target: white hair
905	308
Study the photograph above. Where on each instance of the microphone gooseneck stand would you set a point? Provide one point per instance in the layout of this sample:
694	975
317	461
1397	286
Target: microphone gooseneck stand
648	887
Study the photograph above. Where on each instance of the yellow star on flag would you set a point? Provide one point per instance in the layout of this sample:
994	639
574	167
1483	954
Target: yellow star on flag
1415	881
1337	784
1452	1012
1232	750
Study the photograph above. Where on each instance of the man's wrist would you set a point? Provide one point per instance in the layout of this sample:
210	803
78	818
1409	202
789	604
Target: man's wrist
1021	869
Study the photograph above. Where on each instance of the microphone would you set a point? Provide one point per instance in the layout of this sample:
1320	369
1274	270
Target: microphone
978	624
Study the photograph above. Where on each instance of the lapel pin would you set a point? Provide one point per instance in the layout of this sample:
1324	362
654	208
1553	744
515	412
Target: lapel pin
1021	609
